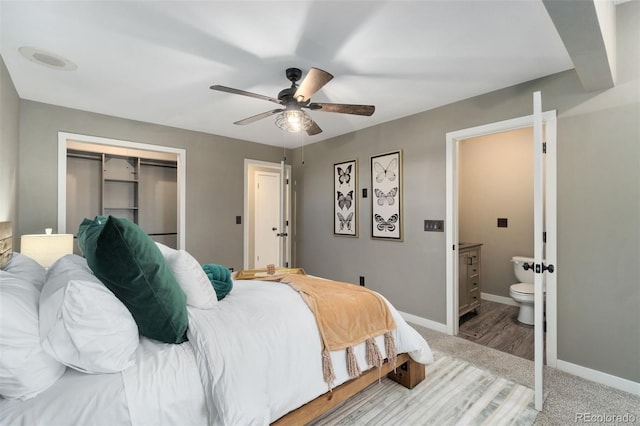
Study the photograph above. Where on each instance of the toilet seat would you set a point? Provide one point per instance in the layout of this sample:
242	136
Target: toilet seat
522	288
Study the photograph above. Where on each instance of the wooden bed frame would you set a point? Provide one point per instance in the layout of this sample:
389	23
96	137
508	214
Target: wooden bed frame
408	373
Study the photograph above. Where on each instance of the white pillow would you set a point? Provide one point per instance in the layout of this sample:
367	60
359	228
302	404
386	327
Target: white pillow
25	369
191	277
27	269
82	323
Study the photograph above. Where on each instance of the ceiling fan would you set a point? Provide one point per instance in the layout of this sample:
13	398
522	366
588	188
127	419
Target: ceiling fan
293	99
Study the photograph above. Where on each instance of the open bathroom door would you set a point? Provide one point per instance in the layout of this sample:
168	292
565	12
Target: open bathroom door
538	249
544	229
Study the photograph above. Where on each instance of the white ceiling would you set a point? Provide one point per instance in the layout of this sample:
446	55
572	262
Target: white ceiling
154	61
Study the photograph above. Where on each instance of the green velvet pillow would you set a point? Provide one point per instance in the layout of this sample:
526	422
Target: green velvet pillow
130	264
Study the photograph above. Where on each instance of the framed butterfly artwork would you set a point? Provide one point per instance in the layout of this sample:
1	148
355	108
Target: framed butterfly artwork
386	196
345	198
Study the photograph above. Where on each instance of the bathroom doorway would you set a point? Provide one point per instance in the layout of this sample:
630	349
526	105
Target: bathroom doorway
495	211
544	195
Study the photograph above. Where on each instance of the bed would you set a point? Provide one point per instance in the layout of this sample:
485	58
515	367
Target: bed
253	357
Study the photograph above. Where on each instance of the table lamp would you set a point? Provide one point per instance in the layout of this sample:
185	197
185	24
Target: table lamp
46	248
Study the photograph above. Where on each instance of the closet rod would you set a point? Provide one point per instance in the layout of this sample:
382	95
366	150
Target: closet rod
86	156
144	162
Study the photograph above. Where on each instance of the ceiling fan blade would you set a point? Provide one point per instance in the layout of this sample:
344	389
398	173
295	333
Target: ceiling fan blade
243	93
314	129
313	81
257	117
344	108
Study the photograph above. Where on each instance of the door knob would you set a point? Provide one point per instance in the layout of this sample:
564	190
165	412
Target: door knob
274	229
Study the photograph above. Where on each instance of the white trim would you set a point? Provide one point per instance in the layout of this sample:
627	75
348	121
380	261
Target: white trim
551	247
599	377
451	234
433	325
62	175
451	220
499	299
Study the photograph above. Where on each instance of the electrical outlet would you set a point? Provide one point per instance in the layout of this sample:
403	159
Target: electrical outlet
362	281
434	225
502	222
238	220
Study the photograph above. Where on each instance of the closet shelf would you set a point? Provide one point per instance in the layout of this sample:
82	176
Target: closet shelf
121	208
121	180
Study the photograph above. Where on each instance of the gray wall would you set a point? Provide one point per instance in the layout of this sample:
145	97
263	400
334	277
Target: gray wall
214	178
496	180
598	206
9	124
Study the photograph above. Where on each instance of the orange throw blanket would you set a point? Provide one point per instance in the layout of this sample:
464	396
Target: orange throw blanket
346	315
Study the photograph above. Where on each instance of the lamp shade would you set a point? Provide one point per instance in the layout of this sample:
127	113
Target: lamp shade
46	249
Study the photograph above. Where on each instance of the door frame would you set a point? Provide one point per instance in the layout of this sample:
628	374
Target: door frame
250	168
180	153
451	222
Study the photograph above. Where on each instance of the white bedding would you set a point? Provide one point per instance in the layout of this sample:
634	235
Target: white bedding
161	388
251	381
164	388
75	399
229	373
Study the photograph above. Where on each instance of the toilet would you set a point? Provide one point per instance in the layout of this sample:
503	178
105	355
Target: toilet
522	291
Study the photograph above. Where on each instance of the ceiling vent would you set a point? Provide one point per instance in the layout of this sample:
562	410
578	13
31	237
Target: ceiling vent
47	59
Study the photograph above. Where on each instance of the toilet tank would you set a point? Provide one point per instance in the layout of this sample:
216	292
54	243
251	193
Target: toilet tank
522	275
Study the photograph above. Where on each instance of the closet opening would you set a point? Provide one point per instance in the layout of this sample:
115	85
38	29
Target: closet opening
140	182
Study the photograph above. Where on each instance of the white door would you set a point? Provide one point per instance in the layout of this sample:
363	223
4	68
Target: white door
544	232
267	219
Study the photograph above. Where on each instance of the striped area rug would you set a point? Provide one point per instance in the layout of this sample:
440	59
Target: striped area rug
454	392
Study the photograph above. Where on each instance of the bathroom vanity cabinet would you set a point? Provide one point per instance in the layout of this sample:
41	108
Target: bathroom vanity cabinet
468	277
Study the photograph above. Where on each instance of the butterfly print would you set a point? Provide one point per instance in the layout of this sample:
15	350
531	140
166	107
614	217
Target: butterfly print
389	197
344	176
345	222
388	225
386	172
345	200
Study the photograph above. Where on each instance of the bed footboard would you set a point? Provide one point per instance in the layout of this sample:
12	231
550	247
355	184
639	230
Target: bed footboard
408	373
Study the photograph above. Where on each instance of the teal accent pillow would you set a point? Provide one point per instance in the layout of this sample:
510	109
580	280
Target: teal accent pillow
130	264
220	278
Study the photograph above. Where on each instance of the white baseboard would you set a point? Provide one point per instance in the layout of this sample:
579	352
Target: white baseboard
577	370
437	326
599	377
499	299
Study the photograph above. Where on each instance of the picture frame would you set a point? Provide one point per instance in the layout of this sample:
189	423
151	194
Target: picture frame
386	196
345	198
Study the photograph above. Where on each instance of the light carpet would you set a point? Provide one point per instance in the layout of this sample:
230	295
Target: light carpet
454	392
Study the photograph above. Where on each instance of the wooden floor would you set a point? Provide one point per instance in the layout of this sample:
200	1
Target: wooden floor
496	325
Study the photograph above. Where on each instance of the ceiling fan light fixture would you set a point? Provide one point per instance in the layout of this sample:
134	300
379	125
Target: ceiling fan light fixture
293	121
